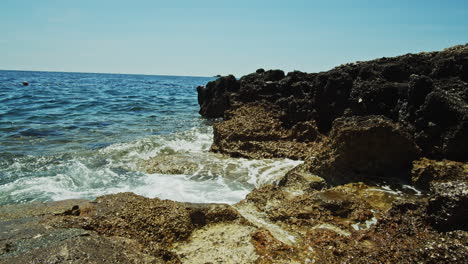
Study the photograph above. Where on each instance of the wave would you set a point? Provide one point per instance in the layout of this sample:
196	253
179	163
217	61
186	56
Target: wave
176	166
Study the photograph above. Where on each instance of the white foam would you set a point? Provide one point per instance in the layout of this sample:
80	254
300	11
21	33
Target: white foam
367	224
181	188
117	168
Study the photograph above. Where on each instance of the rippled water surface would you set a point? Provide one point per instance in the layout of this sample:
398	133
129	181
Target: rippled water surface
80	135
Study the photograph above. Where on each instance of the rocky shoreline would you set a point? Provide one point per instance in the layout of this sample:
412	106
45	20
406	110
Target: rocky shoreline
384	178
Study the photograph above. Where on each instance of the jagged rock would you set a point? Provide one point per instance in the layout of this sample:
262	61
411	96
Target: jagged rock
427	93
214	98
329	119
352	223
364	149
426	171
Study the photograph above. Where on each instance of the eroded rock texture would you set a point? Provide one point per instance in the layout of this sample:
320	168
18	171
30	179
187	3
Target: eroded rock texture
300	220
364	130
424	93
399	118
364	148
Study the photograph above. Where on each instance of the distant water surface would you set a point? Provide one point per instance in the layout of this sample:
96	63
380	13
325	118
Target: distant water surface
81	135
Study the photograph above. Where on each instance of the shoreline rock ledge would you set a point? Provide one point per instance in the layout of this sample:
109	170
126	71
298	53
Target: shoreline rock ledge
384	178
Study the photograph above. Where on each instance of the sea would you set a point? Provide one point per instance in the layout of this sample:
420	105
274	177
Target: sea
83	135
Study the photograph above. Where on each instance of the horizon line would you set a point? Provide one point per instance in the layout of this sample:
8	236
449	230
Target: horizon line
145	74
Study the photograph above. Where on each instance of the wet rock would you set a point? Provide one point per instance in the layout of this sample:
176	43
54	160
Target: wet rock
352	223
36	209
172	164
336	209
304	181
448	205
365	149
121	228
426	171
265	196
289	214
153	220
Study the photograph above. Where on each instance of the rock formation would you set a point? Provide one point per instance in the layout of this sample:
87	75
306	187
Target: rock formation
366	131
388	121
425	93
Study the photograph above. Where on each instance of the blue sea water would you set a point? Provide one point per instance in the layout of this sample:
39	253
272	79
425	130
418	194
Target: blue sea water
81	135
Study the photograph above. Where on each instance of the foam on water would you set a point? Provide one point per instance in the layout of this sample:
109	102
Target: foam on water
117	168
81	135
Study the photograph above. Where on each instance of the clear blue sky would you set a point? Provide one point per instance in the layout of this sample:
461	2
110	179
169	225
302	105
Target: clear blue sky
204	38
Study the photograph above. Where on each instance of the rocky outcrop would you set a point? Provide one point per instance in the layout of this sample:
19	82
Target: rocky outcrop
356	127
364	148
426	93
362	129
214	97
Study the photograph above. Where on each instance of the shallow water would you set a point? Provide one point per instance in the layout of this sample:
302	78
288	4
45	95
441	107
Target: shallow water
81	135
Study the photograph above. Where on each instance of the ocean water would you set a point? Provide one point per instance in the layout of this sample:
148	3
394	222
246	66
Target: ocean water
81	135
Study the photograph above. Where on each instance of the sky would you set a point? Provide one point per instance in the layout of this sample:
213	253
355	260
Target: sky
206	38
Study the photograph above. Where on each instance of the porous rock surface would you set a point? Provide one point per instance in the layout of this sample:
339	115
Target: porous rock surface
425	93
297	221
357	127
390	121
